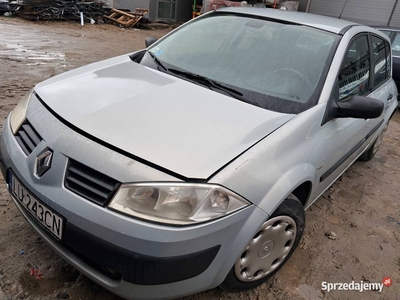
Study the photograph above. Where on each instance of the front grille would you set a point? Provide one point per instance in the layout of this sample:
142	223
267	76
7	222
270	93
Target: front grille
27	138
90	184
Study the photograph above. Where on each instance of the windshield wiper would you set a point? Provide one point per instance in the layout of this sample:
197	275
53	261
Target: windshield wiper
157	61
212	84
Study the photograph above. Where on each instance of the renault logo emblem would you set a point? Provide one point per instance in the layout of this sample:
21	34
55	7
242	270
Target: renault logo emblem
43	163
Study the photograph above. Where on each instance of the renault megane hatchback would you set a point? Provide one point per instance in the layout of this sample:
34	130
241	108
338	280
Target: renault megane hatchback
189	165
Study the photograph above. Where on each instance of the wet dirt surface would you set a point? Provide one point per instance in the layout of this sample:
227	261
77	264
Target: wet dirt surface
362	208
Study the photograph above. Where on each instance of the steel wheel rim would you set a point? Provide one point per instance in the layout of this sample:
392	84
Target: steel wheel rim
379	140
267	250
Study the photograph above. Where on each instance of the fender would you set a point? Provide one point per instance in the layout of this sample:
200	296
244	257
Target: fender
287	183
280	163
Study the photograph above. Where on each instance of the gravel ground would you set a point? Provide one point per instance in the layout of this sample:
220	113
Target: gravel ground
361	208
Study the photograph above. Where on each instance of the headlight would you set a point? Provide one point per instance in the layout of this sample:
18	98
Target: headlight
19	113
176	203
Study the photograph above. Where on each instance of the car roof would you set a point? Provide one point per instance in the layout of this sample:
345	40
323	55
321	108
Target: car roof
316	21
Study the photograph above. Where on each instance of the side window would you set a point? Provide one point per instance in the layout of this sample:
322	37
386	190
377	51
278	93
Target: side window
354	72
380	64
396	45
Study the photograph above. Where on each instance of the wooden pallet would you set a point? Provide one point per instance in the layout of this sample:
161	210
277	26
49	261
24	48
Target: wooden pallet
126	19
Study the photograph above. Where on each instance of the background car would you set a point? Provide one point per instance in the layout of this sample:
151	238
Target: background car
189	165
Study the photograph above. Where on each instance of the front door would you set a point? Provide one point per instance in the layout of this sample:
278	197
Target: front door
344	135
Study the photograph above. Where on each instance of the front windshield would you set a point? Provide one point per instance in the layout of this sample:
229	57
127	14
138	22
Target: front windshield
274	65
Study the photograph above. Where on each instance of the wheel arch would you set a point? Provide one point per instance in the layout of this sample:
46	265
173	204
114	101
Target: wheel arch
298	180
303	192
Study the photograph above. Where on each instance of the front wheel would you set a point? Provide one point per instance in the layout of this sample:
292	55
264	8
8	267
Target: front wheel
270	247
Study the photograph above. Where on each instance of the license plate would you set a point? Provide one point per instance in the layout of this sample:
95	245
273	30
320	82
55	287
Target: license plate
49	219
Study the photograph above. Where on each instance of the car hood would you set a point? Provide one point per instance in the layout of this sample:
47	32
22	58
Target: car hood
169	122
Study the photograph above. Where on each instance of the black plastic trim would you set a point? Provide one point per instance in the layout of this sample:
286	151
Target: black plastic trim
138	268
286	22
137	56
89	183
348	154
374	86
347	28
30	131
2	166
331	107
27	138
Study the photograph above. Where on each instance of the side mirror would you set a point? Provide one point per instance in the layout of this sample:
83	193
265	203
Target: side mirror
357	107
150	40
360	107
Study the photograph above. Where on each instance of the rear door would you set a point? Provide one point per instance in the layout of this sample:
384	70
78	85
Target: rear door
382	88
396	57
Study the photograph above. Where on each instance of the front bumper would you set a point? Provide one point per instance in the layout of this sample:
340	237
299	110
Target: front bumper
152	260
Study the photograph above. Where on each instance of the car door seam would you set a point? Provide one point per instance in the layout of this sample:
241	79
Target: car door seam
348	154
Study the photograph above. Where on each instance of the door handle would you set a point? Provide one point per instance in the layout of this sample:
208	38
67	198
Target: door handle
390	97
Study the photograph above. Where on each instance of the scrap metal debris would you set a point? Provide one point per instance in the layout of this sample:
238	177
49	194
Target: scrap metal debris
4	7
59	9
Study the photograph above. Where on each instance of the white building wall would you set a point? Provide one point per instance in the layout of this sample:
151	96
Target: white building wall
368	12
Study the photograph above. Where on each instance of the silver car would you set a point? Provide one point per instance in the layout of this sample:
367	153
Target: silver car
189	165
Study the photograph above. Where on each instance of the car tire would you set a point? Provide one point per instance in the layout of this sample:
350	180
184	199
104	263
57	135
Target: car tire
371	151
288	219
